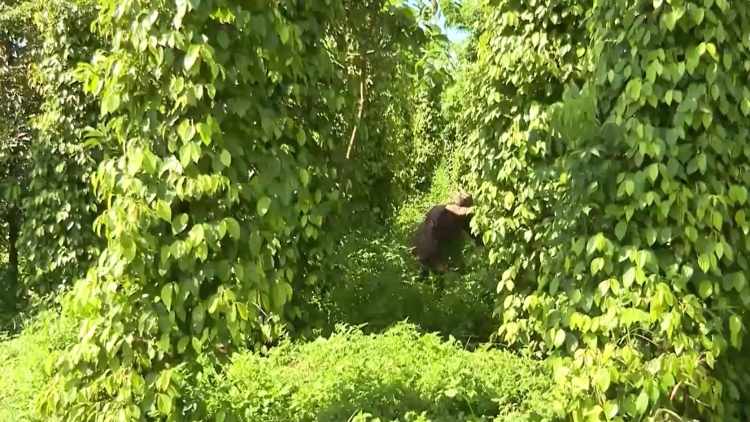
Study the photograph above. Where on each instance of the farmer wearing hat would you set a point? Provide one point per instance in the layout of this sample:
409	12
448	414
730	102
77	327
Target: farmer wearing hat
442	227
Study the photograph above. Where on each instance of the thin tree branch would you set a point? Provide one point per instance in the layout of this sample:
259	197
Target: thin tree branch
362	78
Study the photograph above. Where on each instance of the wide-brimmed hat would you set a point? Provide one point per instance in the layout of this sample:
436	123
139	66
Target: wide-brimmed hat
462	199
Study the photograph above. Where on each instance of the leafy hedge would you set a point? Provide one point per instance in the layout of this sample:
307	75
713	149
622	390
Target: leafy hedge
58	238
231	134
620	212
398	376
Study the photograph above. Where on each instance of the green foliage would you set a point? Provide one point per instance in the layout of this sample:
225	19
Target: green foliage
222	160
382	47
22	362
621	225
666	242
428	146
509	151
58	239
373	279
206	175
377	283
398	376
17	101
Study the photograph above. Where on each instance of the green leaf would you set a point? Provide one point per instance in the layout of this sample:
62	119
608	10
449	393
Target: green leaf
591	245
738	194
204	130
164	404
596	265
735	324
186	130
559	338
578	245
186	155
697	13
226	158
603	288
233	228
301	137
704	262
242	310
633	89
669	20
163	210
191	57
110	103
452	392
642	402
739	217
739	282
284	34
182	344
717	220
129	248
222	39
705	289
602	379
179	223
135	162
621	229
166	295
264	204
304	176
197	344
629	277
629	187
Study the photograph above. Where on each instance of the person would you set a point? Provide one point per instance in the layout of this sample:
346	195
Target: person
442	227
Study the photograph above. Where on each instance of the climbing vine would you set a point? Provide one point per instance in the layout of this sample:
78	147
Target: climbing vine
230	135
618	214
17	101
57	237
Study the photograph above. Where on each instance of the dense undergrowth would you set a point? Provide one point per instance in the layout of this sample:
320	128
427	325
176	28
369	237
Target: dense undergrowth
401	375
378	283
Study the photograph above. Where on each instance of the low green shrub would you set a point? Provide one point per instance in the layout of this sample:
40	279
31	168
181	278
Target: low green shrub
400	375
22	362
379	285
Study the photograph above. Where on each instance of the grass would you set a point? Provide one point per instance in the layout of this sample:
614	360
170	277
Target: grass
400	375
23	358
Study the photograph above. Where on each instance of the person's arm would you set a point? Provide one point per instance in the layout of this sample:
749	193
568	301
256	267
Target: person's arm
467	227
